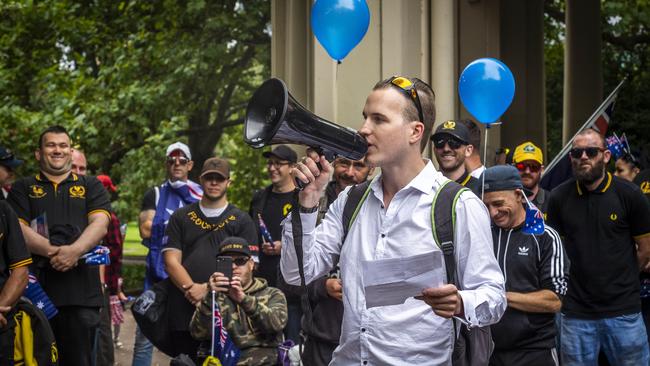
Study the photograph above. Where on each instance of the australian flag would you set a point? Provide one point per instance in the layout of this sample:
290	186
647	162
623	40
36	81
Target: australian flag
534	224
264	230
615	146
98	255
35	293
222	346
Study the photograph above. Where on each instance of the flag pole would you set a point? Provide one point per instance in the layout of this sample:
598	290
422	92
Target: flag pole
590	121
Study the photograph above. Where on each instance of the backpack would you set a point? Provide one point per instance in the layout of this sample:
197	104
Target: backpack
472	346
32	336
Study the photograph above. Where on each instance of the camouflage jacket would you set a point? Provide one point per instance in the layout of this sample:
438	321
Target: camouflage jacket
255	325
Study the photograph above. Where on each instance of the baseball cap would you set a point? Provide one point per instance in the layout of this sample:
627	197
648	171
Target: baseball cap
216	165
453	128
234	244
179	146
8	159
502	178
527	151
107	182
282	152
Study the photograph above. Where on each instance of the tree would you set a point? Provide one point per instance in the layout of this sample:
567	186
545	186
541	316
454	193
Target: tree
127	78
626	52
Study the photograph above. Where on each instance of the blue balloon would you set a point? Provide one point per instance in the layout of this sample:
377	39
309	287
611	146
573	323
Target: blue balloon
339	25
486	88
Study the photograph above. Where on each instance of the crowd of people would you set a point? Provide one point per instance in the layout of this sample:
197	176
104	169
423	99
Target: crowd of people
548	277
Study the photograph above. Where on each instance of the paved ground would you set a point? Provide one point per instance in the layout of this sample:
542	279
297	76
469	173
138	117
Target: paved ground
124	355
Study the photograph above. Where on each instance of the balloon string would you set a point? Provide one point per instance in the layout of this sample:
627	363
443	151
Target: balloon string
487	128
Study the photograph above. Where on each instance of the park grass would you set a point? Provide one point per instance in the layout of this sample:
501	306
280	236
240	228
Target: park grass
132	243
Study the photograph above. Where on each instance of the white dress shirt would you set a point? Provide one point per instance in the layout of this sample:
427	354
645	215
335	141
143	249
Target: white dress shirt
476	173
411	333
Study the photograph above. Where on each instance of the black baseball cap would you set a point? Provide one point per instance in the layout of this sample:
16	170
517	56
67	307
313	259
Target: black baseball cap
234	244
453	128
8	159
502	178
282	152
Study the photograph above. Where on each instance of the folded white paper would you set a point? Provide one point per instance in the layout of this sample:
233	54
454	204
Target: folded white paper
392	281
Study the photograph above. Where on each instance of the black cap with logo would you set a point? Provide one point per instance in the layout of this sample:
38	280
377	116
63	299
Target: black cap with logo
453	128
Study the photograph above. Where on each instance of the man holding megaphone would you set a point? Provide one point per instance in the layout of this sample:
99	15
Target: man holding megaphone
393	220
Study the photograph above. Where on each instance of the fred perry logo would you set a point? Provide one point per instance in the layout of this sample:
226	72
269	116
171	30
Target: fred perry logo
529	148
613	217
523	251
36	191
645	187
449	125
77	192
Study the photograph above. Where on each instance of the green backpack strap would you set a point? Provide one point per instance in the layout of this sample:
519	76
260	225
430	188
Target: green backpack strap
443	222
356	197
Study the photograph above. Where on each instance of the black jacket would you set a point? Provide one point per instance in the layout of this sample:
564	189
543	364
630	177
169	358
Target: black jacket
529	263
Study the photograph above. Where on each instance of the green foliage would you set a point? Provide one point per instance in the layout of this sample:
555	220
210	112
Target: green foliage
133	275
128	78
626	36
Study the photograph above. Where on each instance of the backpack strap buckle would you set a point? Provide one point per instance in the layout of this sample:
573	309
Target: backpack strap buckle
447	247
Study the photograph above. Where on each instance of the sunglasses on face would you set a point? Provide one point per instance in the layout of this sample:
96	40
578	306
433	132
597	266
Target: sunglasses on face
453	143
240	261
532	167
408	87
591	152
181	160
276	164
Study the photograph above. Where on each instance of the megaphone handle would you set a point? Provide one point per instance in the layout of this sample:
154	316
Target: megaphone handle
328	155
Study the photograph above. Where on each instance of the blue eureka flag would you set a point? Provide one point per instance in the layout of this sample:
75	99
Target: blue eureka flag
35	293
534	224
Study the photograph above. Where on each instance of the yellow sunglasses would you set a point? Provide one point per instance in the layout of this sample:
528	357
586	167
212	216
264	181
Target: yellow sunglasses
407	86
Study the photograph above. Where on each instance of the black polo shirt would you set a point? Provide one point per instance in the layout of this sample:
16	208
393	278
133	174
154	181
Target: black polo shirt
70	202
13	252
643	181
199	237
541	200
599	230
466	180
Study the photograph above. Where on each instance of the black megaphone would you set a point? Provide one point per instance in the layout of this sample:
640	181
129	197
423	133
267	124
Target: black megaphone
273	116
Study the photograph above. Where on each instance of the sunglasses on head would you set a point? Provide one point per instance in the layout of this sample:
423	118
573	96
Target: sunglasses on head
532	167
8	155
407	86
240	261
453	142
591	152
171	160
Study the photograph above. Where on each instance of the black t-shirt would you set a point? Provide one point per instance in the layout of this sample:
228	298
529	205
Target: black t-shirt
276	208
599	230
149	200
13	252
69	202
541	200
198	237
466	180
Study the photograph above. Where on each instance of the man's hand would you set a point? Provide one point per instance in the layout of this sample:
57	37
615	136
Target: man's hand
236	292
218	282
3	312
64	258
195	292
445	300
315	179
334	288
276	249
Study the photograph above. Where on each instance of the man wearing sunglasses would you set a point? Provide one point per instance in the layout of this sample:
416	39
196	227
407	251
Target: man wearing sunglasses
529	161
272	204
606	232
394	222
8	162
194	234
158	204
451	148
253	312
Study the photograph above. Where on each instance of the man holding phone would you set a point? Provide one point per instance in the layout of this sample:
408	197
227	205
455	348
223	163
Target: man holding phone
194	234
253	313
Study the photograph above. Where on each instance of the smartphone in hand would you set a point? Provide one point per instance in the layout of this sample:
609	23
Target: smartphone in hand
224	265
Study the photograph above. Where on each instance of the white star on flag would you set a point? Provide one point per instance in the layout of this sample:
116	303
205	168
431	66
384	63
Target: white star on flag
40	305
